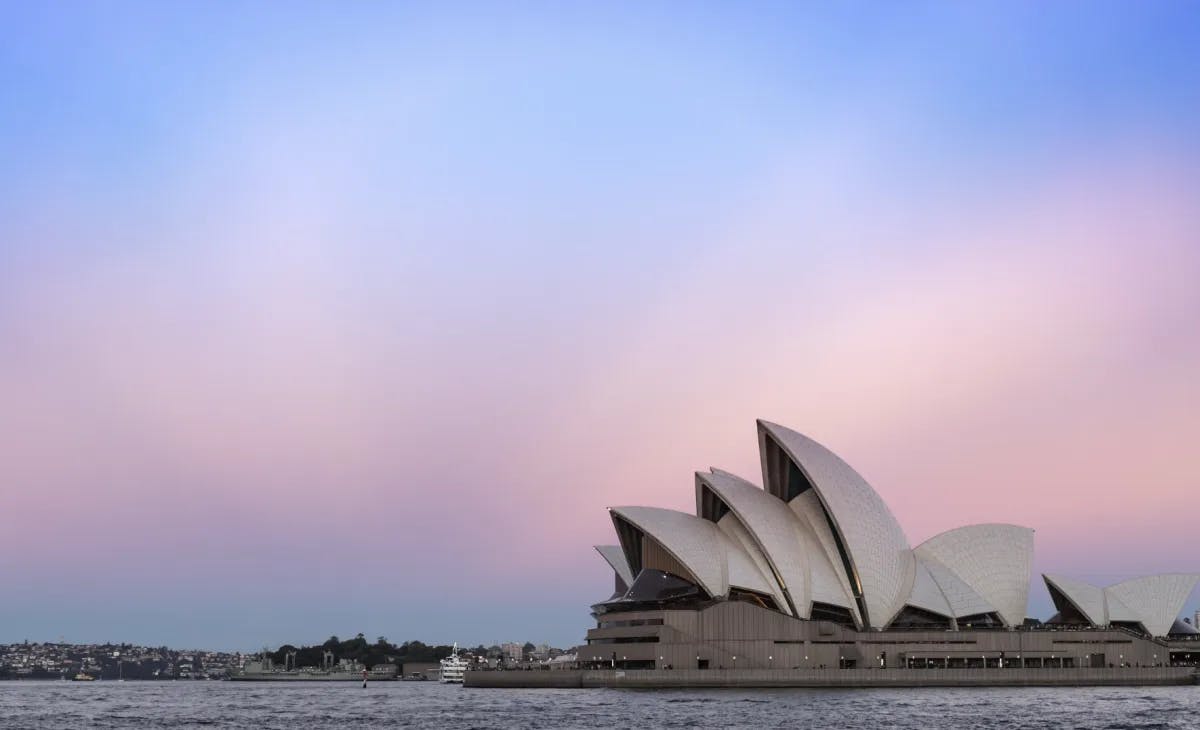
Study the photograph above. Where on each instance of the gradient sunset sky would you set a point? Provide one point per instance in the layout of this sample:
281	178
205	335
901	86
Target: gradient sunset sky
340	317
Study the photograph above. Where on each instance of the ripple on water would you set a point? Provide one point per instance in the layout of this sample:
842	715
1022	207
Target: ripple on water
39	705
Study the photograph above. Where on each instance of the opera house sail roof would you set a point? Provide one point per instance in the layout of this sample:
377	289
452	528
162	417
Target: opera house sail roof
817	542
1150	604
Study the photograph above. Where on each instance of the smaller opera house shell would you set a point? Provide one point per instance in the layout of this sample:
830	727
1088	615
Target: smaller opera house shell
813	570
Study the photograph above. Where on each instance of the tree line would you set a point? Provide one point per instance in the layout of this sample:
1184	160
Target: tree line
381	651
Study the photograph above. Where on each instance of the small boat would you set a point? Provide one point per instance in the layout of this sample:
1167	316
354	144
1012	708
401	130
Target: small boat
453	667
81	677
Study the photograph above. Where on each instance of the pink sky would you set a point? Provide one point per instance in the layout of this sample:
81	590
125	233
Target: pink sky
1018	362
274	334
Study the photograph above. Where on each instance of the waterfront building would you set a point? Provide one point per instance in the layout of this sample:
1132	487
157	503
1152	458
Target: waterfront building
812	571
513	652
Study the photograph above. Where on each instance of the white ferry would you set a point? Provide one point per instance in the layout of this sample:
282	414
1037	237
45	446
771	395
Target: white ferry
453	667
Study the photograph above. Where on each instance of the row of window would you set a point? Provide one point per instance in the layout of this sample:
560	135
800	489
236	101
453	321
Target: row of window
873	642
631	622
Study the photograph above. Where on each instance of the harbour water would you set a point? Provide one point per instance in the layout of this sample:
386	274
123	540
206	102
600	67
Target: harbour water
36	705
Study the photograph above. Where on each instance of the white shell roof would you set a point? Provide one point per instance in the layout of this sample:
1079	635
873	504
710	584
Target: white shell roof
733	527
962	599
743	573
615	557
1116	610
793	551
878	550
711	556
828	583
1086	597
1156	599
994	560
927	595
775	528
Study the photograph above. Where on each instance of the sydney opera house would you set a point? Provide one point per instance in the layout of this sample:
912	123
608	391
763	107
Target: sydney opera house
812	571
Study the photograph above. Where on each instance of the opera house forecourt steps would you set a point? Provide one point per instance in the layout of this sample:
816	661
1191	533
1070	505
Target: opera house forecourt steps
809	581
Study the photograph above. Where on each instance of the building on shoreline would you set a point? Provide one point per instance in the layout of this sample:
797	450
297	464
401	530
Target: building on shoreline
813	572
56	660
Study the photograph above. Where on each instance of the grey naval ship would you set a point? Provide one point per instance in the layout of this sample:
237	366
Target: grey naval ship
264	669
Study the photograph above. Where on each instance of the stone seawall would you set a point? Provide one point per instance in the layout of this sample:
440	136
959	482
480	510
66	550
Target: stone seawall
849	678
